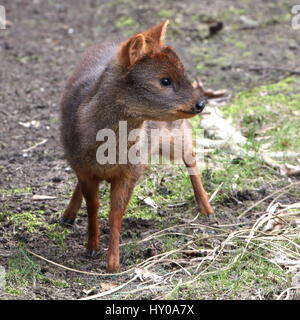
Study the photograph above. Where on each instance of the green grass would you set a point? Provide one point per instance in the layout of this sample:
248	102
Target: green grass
58	234
30	220
249	171
15	191
33	221
22	272
158	176
125	22
241	280
271	112
166	14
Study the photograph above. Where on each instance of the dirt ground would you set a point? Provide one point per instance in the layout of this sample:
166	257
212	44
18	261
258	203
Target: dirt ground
38	51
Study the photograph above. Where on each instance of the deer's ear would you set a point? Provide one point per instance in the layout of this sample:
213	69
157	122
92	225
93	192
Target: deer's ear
157	33
132	50
137	48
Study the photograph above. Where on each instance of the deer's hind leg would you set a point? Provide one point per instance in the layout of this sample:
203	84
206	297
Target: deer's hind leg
189	159
70	214
199	191
182	148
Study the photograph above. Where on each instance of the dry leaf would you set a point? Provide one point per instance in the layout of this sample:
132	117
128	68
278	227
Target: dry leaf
148	201
274	224
105	286
264	130
285	261
89	292
289	170
33	123
144	274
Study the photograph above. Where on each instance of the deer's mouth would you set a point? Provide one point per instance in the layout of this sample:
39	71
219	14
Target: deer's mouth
186	114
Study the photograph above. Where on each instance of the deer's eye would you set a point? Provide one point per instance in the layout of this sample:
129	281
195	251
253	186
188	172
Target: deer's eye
165	82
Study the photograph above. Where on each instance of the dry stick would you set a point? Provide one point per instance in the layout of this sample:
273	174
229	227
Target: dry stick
179	225
292	206
274	200
234	224
287	291
35	146
269	196
277	248
221	249
173	290
258	223
80	271
216	192
259	294
209	256
259	68
149	262
102	294
210	200
152	288
158	233
209	273
177	263
214	255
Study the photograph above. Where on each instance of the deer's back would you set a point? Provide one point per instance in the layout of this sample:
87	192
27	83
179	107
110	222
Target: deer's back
80	88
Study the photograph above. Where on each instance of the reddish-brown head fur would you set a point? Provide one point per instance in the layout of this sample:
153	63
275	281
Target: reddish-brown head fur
145	61
141	44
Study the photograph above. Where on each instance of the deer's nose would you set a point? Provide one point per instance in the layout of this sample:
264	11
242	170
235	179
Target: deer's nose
199	106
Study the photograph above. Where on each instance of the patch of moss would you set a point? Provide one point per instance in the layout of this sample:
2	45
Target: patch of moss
271	111
27	219
125	22
242	279
22	272
166	13
58	234
16	191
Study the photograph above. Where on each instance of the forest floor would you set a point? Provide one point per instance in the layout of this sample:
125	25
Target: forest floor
244	252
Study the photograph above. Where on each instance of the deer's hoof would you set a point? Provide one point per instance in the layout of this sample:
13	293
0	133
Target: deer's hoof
67	222
91	253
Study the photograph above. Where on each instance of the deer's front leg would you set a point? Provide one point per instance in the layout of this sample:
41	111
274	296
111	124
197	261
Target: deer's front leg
121	189
89	189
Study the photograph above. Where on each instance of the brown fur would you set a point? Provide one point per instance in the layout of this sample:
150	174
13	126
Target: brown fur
122	83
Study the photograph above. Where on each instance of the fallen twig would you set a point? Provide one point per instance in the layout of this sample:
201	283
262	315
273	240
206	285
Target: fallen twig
80	271
269	196
113	290
35	146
